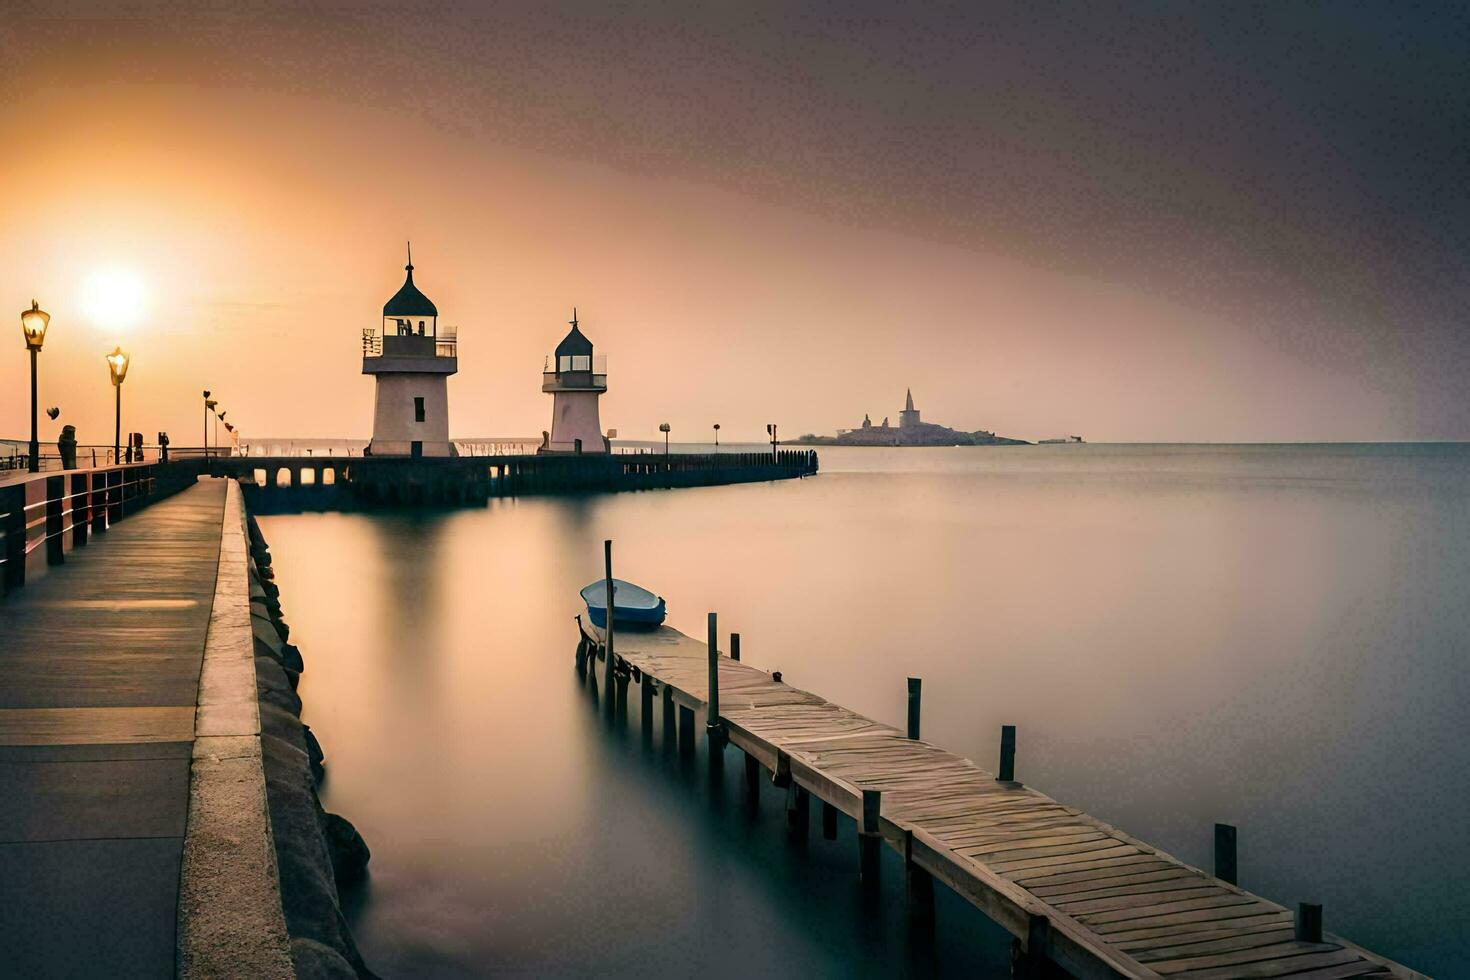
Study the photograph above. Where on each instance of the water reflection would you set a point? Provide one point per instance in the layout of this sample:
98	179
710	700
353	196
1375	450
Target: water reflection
1271	637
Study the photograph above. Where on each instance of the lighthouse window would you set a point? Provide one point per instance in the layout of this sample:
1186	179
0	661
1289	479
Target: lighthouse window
418	409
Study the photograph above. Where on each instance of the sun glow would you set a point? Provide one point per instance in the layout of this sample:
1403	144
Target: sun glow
113	298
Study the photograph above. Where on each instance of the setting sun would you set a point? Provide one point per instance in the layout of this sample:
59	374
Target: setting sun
114	298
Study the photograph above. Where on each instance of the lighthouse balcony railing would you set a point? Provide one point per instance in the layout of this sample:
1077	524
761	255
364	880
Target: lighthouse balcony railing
573	381
444	343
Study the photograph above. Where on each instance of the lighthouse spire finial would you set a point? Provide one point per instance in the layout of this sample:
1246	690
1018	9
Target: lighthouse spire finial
409	267
574	317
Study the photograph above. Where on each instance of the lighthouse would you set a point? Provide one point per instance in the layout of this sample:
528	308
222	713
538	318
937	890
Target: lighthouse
575	378
412	357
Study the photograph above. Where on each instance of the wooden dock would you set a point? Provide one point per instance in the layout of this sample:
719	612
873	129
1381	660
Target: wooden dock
1074	891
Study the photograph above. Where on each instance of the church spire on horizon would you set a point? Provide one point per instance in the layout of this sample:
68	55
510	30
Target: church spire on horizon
908	404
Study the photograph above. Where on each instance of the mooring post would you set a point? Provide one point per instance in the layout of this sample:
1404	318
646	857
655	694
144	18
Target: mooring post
712	725
869	837
1225	866
1007	772
915	684
607	672
752	778
829	821
735	646
919	883
1308	922
667	693
1032	961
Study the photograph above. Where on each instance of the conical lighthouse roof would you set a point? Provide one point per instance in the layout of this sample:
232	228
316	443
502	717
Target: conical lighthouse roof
574	343
408	301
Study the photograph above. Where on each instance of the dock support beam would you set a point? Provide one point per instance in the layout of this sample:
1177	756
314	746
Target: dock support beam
829	821
915	685
1225	866
686	730
870	839
1029	960
798	808
919	884
752	779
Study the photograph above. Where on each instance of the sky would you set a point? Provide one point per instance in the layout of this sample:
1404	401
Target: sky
1135	221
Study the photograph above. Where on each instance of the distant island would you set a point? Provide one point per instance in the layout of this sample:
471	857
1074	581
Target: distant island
910	431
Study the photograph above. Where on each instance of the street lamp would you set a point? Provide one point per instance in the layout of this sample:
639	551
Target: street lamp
33	324
117	364
771	431
664	428
717	437
206	421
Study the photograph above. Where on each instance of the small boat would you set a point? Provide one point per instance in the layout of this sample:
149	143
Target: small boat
633	607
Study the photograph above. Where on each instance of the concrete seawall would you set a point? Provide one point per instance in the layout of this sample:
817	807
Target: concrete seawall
262	860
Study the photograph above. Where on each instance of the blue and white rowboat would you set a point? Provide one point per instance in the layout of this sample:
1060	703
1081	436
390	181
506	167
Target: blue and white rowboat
633	606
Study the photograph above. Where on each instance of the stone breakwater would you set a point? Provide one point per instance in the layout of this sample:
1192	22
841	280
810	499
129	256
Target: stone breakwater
316	851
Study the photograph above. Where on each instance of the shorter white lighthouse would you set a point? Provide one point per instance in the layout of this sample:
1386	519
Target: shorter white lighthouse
411	357
575	378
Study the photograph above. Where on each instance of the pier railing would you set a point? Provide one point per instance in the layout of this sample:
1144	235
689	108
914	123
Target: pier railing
44	516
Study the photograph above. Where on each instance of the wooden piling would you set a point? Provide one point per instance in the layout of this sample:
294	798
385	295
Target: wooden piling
1225	866
870	839
735	646
752	778
781	775
829	821
607	674
1308	922
1007	772
918	883
798	810
668	699
686	730
915	684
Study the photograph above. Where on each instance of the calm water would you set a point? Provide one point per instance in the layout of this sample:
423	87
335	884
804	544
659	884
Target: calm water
1274	637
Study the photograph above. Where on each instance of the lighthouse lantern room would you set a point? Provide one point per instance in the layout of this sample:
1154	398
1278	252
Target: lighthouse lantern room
575	377
412	357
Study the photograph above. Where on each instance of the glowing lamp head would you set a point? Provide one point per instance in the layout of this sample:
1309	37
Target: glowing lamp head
663	427
117	363
33	324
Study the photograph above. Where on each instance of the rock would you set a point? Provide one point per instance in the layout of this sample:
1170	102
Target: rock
316	961
314	755
291	657
350	854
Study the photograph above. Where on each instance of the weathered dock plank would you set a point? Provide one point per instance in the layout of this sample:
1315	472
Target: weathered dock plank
1095	900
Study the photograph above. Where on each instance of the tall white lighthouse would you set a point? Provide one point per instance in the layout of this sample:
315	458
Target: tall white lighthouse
576	378
412	357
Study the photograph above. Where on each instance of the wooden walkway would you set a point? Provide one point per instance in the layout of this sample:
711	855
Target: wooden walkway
1089	897
99	677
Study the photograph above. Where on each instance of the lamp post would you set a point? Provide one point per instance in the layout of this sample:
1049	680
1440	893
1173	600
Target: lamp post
33	324
664	428
117	365
206	421
771	431
717	437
